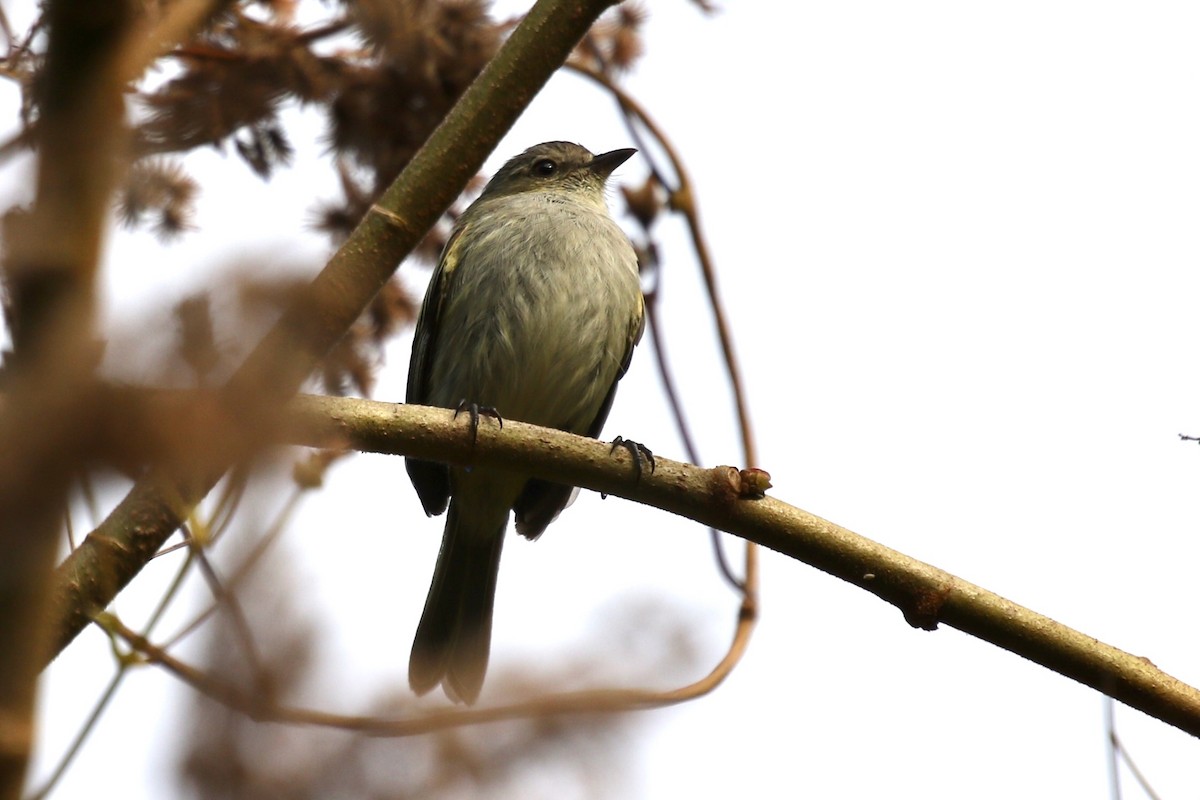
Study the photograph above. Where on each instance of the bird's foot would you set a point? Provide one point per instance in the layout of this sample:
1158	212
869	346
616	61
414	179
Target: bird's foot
475	411
640	454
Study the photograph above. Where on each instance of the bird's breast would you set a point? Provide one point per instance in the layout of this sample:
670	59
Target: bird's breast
538	317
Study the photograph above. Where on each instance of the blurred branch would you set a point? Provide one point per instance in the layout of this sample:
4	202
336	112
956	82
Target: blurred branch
228	601
258	707
272	535
106	697
49	272
722	498
310	473
114	553
156	37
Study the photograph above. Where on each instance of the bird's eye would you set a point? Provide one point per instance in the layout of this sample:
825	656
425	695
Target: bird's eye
545	166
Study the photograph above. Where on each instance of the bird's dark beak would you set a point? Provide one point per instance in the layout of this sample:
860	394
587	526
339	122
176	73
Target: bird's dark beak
604	164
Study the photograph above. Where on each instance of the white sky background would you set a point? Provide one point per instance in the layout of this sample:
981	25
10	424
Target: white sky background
958	245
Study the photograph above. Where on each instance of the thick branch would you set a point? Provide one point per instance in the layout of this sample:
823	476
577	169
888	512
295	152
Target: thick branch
51	254
116	551
925	594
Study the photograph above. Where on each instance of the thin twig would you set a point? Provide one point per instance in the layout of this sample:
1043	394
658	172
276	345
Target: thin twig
228	600
1117	751
682	196
106	697
70	529
89	497
243	569
1114	772
232	492
319	32
685	433
257	707
173	548
82	734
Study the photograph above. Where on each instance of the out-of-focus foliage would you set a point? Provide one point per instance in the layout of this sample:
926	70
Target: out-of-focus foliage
382	73
228	755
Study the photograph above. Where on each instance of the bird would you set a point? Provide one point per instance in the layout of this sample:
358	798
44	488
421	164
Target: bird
532	313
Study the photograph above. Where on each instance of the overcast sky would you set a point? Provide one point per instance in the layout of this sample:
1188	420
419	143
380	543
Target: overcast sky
958	245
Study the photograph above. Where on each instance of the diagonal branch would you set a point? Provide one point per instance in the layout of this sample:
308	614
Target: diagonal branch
720	497
116	551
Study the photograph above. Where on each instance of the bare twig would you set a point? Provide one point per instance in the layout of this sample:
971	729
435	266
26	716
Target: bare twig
258	707
248	563
685	433
227	600
110	691
1117	755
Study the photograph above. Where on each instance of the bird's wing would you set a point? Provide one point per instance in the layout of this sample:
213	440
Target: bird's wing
430	479
428	321
637	326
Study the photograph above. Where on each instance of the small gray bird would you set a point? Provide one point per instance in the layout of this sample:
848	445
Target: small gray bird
532	314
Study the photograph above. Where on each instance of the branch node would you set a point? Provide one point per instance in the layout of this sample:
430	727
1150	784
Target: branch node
392	218
925	608
726	483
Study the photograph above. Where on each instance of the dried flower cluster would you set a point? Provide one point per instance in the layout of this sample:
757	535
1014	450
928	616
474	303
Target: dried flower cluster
615	43
382	72
159	191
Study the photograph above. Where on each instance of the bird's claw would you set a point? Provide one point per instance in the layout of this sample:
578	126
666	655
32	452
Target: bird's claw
640	454
475	411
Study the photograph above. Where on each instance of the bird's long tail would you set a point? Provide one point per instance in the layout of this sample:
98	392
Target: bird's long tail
455	632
